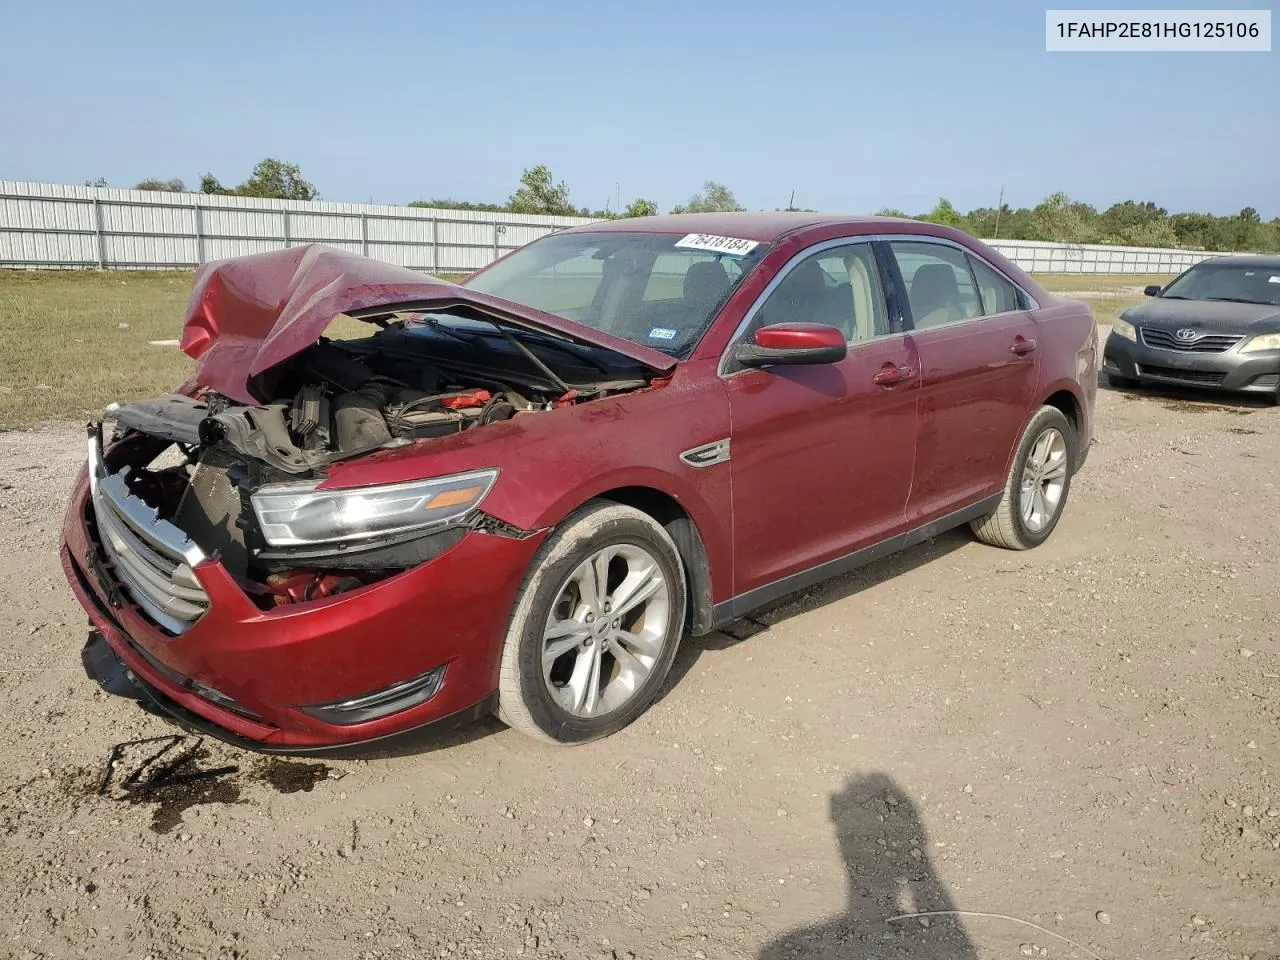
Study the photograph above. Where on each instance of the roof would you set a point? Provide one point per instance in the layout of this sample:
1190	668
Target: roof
1266	262
764	227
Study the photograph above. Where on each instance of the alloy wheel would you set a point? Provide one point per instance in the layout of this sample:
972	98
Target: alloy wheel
606	630
1044	478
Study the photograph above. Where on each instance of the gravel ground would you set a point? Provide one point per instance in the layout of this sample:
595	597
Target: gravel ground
1084	737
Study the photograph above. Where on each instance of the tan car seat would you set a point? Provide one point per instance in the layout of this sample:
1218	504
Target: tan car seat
863	300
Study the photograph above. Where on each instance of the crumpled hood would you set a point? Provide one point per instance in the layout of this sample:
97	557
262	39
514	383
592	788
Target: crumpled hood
250	313
1210	316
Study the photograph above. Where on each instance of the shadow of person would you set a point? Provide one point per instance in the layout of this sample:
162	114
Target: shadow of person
884	847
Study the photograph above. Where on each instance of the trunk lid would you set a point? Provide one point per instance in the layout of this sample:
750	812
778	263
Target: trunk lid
251	313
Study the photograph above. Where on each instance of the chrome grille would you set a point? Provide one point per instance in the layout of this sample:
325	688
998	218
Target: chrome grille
1206	343
150	557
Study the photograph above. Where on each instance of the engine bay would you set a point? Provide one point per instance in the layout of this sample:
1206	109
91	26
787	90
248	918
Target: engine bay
333	403
197	459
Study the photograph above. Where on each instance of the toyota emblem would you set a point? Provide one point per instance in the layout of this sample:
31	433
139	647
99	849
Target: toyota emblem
1187	335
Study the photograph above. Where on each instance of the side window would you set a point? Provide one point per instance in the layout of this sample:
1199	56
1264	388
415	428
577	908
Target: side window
839	286
998	294
940	287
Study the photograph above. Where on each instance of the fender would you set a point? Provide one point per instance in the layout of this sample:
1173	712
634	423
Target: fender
1083	426
710	520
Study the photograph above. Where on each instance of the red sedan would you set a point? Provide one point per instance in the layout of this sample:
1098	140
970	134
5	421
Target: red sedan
517	494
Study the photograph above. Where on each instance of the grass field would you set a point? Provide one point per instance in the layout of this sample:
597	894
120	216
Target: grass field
1107	294
71	342
1100	283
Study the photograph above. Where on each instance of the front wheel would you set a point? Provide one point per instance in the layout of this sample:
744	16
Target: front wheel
1036	489
596	626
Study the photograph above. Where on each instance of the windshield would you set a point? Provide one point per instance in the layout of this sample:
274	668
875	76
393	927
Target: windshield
1208	281
658	290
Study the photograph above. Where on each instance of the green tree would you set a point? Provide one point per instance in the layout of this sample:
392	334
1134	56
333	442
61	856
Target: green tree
989	222
210	184
715	198
945	214
892	212
1151	233
163	186
539	193
1062	220
277	180
641	208
460	205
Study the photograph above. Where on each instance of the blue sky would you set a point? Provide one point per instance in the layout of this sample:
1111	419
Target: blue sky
855	106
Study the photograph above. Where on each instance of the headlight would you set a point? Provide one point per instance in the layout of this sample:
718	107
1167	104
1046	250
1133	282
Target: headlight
297	514
1267	341
1123	328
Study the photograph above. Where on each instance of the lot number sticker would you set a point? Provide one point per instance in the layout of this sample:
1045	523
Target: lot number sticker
734	246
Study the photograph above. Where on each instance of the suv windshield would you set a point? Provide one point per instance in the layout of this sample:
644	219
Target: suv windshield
1237	282
659	290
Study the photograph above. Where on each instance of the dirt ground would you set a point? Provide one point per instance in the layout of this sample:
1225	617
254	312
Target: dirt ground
1084	737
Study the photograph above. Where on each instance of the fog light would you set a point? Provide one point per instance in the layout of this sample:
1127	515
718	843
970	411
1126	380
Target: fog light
380	703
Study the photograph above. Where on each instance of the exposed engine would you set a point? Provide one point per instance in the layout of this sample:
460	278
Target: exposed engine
338	404
334	400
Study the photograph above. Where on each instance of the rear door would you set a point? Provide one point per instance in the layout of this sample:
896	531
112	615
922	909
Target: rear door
822	455
978	367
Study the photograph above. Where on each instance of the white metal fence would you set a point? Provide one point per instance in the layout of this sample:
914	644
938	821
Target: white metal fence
49	225
1039	256
58	226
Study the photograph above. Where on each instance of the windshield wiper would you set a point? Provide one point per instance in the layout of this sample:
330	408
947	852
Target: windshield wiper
435	324
1262	303
1173	296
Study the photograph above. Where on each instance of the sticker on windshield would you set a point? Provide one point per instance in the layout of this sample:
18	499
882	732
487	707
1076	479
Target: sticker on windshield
1273	280
734	246
662	333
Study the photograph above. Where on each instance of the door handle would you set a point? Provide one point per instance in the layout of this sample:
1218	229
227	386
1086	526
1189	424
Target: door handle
1022	346
891	374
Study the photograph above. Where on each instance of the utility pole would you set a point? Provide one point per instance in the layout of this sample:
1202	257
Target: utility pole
999	207
791	204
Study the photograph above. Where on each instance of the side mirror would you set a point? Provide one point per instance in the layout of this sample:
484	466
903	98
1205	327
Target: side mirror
1152	291
792	343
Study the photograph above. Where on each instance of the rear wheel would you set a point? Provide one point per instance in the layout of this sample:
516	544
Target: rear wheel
596	626
1037	486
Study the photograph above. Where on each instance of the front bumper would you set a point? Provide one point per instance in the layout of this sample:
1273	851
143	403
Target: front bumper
1256	373
262	665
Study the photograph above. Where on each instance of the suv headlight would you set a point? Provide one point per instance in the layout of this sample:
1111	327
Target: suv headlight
1267	341
1123	328
297	514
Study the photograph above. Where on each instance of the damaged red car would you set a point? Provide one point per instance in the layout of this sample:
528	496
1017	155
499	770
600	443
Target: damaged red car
517	494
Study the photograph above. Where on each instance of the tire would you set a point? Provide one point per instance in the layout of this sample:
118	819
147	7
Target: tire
553	702
1122	383
1011	525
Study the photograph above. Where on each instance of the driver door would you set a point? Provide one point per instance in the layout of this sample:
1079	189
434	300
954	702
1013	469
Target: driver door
822	455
